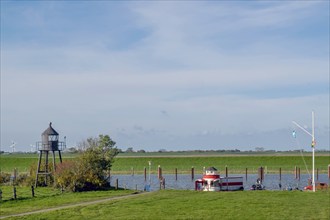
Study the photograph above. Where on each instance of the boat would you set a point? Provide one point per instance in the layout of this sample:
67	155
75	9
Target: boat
212	181
258	185
318	186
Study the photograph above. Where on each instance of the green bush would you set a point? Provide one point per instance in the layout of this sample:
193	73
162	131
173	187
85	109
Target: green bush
4	178
89	170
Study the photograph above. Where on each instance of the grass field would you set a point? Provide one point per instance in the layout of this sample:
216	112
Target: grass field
203	205
174	204
47	197
236	164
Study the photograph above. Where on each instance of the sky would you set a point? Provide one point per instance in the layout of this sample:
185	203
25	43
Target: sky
174	75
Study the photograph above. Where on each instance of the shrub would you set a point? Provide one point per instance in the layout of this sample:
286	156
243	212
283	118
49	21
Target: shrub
89	170
4	178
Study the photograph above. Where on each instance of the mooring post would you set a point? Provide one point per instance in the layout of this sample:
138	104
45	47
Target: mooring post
261	173
145	174
226	171
299	173
132	171
246	173
192	173
159	172
176	174
116	186
295	172
280	173
109	177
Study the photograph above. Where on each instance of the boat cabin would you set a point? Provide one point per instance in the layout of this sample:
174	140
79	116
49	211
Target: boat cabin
211	181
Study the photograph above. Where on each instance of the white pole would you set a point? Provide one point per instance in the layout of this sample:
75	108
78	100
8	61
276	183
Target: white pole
313	149
149	175
313	146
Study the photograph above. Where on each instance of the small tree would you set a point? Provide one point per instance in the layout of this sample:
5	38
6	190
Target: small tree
90	169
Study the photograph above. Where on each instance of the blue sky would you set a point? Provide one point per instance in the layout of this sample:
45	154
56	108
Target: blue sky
165	75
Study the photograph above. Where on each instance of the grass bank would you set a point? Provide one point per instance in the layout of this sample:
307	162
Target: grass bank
47	197
236	164
204	205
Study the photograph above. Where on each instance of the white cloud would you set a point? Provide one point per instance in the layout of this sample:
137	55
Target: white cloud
194	64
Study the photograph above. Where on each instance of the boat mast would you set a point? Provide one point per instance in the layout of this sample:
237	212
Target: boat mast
313	146
313	149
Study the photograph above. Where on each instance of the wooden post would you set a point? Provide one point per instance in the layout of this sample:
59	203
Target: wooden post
159	172
14	193
145	174
32	190
192	173
295	172
176	174
109	177
15	176
280	174
116	186
132	172
246	173
261	173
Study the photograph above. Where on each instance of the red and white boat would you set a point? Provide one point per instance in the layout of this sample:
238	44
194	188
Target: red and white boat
211	181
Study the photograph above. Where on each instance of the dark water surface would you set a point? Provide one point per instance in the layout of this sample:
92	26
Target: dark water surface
185	182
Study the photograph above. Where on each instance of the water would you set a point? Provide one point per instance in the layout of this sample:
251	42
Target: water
184	182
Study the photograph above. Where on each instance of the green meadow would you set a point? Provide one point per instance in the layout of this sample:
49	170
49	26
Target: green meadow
235	164
175	204
47	197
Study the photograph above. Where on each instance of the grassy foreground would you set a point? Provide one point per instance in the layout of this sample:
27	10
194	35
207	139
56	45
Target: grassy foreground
204	205
47	197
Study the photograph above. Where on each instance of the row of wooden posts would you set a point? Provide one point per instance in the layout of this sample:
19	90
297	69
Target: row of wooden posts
261	176
261	173
15	192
